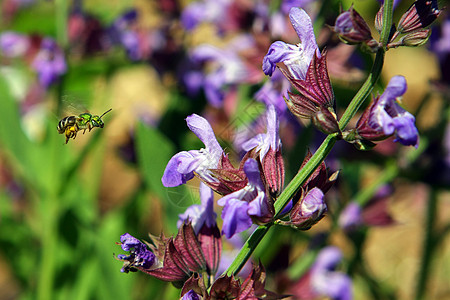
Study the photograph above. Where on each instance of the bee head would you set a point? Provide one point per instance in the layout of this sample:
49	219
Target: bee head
97	122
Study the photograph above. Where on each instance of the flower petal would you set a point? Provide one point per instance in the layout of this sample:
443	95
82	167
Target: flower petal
235	217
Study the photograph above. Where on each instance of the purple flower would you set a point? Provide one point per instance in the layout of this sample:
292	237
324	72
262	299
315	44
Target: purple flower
203	214
139	256
191	295
440	44
286	5
124	32
182	165
204	11
273	91
352	28
267	148
13	44
264	141
227	68
49	62
295	57
389	117
351	216
326	281
241	205
308	210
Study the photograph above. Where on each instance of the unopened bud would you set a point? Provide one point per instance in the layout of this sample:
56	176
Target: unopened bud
416	38
325	120
421	14
379	19
309	210
352	28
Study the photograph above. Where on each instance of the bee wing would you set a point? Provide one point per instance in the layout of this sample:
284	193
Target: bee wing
71	105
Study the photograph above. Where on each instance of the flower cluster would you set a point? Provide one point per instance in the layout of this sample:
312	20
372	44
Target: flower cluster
190	261
249	191
43	54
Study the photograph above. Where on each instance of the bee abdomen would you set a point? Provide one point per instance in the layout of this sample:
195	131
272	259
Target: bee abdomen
66	122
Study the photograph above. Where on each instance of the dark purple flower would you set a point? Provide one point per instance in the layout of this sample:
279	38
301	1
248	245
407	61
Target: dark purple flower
388	116
240	206
13	44
200	215
191	295
139	256
49	63
326	281
183	165
296	57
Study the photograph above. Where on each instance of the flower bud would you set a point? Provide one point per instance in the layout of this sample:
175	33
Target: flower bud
379	19
421	14
309	210
416	38
352	28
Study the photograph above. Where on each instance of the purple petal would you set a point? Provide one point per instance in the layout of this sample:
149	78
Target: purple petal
406	133
396	87
278	52
351	216
235	217
328	258
172	176
258	206
314	204
272	128
303	26
251	169
200	126
13	44
191	295
192	15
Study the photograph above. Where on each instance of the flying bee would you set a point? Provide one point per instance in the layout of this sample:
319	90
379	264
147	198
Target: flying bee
72	124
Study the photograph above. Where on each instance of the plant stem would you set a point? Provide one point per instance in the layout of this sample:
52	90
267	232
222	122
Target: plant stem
321	153
428	246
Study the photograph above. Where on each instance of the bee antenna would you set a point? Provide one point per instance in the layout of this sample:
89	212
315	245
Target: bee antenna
106	112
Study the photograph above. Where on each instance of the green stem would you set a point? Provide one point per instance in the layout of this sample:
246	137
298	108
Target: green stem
324	149
428	246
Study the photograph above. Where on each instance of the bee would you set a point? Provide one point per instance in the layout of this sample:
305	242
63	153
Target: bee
72	124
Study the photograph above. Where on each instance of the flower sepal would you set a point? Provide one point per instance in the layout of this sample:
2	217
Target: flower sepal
315	98
419	15
228	179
